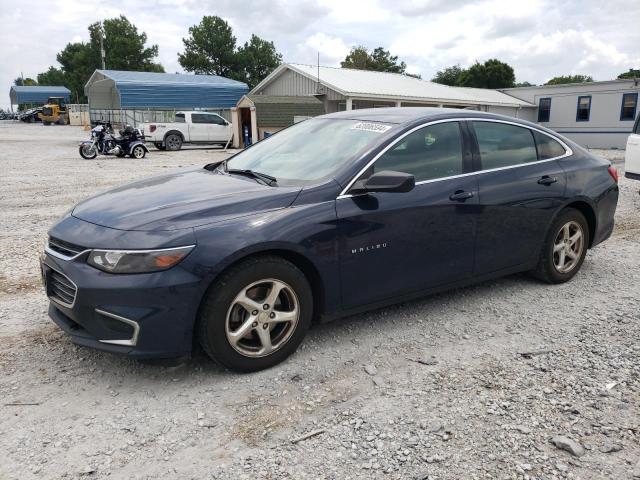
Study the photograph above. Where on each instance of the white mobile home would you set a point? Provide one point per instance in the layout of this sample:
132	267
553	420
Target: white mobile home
593	114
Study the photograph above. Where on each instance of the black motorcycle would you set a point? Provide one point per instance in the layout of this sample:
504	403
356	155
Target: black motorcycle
103	142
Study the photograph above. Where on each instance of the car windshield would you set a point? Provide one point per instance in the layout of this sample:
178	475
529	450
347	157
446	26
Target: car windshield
308	151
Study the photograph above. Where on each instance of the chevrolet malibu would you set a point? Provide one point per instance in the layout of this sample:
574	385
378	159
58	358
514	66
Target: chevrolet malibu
336	215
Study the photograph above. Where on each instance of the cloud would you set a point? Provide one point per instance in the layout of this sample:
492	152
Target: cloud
539	38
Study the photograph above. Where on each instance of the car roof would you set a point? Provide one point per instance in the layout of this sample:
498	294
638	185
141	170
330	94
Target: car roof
405	115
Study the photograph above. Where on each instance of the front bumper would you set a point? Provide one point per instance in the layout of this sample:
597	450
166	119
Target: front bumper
141	315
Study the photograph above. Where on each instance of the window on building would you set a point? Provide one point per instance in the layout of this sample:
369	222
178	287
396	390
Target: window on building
584	109
429	153
544	110
629	104
504	145
547	146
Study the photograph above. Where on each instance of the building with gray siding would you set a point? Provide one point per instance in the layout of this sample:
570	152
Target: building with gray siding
593	114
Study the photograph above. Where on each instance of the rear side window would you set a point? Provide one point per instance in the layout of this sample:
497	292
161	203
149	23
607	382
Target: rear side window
179	117
504	145
429	153
547	146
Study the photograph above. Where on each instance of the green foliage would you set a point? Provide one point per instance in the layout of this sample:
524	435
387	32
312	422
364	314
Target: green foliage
562	79
380	60
255	60
491	74
631	74
524	84
210	48
27	82
53	76
449	76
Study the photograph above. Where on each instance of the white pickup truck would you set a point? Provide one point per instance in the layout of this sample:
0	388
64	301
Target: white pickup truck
632	154
189	127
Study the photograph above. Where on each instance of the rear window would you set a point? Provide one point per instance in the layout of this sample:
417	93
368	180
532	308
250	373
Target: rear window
547	146
179	117
504	145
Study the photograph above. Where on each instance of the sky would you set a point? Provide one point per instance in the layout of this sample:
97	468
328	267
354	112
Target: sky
538	38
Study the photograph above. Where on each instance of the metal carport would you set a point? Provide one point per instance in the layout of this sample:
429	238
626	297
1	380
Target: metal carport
32	95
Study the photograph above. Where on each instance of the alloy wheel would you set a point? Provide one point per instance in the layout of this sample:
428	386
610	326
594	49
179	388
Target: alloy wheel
138	152
262	318
568	247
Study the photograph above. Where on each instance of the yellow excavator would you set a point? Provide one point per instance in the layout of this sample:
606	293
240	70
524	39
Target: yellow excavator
55	111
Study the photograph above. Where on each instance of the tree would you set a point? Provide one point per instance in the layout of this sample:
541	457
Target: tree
569	79
449	76
255	60
632	73
210	48
124	50
491	74
524	84
124	46
53	76
27	82
380	60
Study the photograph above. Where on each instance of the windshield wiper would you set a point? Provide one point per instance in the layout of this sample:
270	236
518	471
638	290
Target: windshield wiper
267	179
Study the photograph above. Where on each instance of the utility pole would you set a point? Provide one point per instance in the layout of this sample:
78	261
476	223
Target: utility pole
102	54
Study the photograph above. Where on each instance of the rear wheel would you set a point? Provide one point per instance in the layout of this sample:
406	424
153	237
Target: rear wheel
173	142
138	152
565	247
256	314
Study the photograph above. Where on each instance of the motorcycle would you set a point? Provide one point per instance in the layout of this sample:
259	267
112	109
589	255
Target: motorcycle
103	142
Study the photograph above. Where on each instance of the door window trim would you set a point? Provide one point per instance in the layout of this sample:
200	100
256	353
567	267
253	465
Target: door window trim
568	152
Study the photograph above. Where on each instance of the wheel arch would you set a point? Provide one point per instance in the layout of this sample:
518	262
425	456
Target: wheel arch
173	132
589	213
305	265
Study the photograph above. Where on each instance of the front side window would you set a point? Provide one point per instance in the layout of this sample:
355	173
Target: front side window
504	145
584	109
309	150
544	110
547	146
429	153
629	104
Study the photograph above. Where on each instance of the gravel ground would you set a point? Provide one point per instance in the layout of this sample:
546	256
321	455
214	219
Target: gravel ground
441	388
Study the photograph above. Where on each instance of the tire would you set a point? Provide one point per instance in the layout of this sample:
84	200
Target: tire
138	152
221	316
558	266
84	153
173	142
45	122
159	146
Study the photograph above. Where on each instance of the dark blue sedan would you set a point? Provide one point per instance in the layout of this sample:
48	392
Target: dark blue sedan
339	214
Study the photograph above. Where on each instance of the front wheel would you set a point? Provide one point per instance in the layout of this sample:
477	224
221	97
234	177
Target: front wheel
138	152
565	247
88	152
256	314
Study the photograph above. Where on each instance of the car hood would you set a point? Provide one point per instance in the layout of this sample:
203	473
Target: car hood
184	199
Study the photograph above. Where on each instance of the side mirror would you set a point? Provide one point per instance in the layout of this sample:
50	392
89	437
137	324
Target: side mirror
385	181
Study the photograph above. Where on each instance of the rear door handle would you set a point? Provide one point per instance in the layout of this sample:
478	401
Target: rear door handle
547	180
461	195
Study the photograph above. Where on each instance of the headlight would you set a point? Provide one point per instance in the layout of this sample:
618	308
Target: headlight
137	261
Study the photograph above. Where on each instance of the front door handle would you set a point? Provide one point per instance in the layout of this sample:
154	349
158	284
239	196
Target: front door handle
547	180
461	195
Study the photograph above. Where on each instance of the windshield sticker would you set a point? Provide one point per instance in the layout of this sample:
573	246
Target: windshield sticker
371	127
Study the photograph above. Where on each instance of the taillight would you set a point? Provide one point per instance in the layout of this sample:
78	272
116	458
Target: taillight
152	128
614	173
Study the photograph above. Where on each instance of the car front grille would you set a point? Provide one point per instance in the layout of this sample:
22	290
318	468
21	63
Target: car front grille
64	248
60	288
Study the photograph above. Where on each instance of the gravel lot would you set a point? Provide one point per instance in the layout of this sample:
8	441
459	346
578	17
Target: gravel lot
433	389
